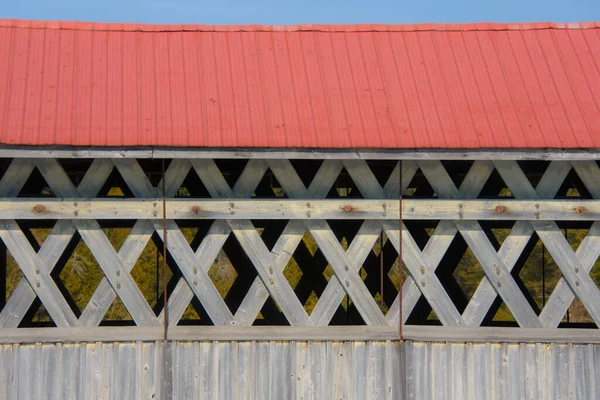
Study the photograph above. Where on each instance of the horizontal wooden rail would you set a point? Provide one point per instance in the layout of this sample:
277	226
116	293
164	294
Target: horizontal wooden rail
421	209
284	333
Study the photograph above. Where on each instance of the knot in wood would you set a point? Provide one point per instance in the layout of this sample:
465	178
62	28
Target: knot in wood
580	210
348	208
39	208
196	209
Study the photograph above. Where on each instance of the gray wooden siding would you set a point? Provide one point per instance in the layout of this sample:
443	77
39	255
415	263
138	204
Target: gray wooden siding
300	370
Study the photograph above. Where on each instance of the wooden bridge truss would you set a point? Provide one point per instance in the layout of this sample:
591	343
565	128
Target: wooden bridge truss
260	211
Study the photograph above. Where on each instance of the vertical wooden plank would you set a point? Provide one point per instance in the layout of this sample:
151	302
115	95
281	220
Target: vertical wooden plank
375	370
244	370
457	366
91	376
530	364
226	380
149	370
422	369
203	366
410	371
333	386
125	370
107	366
303	385
16	366
262	373
592	371
318	371
515	372
70	366
582	375
439	371
395	370
360	365
479	376
26	373
562	371
52	371
6	370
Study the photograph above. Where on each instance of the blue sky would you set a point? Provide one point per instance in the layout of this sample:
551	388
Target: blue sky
302	12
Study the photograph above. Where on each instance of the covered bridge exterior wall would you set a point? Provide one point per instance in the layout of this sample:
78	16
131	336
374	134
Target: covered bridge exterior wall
350	176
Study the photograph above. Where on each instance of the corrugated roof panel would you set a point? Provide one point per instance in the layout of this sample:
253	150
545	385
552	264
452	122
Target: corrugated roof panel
366	86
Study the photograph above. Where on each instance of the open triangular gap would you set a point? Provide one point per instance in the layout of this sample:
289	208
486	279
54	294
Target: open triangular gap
76	168
421	231
116	231
495	187
36	186
231	169
117	314
573	187
382	169
271	314
153	168
115	186
306	169
192	186
344	186
195	314
499	315
577	316
534	170
345	230
36	231
269	187
347	314
497	231
270	230
419	187
457	170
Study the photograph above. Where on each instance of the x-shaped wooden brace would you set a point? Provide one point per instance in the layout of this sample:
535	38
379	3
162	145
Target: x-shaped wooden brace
115	269
345	264
496	271
290	237
421	265
40	284
514	244
194	266
575	266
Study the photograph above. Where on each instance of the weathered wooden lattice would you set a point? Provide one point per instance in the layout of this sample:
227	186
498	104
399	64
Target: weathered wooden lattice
261	211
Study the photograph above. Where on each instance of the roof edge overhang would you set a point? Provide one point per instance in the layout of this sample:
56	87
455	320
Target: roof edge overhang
291	153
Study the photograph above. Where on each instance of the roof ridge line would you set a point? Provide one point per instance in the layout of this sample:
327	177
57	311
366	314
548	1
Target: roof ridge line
333	28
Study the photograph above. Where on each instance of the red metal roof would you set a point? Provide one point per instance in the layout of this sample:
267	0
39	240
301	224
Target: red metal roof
365	86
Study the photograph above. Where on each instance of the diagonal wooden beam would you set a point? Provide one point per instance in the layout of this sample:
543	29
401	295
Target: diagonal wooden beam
587	253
